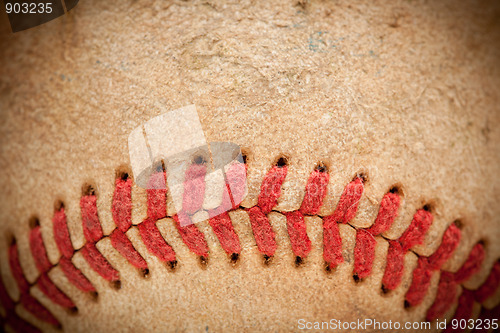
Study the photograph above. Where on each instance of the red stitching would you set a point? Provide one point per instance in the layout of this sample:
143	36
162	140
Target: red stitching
221	223
464	310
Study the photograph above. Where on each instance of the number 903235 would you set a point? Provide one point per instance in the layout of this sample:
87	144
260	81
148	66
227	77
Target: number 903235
477	324
28	8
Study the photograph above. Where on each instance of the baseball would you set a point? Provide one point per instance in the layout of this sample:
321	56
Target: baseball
253	166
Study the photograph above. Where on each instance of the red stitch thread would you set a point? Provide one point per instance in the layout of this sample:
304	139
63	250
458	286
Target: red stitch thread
224	230
98	263
464	309
91	227
344	212
415	233
449	281
420	283
262	231
194	188
192	237
446	294
348	204
53	292
121	243
489	286
332	243
61	233
157	196
316	189
28	301
364	253
236	182
16	269
394	266
296	227
38	250
472	265
387	213
450	241
154	241
19	325
75	276
122	204
7	302
426	266
270	190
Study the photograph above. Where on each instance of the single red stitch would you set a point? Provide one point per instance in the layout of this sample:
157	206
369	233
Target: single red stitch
33	306
472	265
157	196
17	271
236	182
123	245
445	297
53	292
90	220
121	207
427	265
270	190
38	250
262	231
316	189
364	253
394	266
464	310
75	276
98	263
224	230
451	239
192	237
194	188
415	233
154	241
332	242
420	282
348	204
387	213
489	287
297	232
61	233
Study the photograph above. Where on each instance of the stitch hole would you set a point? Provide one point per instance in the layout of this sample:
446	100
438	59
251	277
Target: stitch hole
234	258
385	291
93	295
483	243
361	175
407	305
11	240
428	208
298	261
117	285
203	261
281	162
58	205
321	167
459	224
144	272
73	310
199	160
396	189
172	265
88	189
356	278
122	173
34	222
267	259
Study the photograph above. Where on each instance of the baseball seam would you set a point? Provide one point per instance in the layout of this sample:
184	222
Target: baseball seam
221	223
